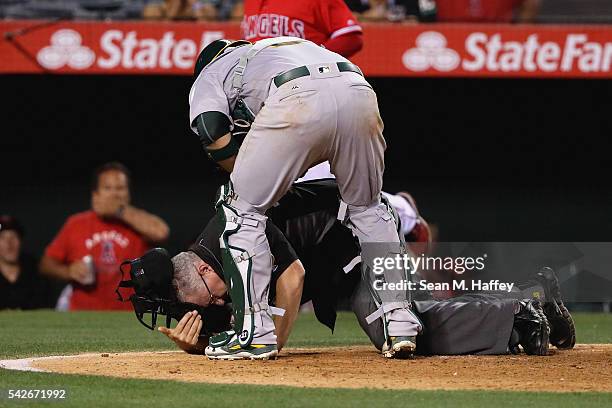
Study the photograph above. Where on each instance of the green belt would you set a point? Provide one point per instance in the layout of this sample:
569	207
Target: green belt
303	71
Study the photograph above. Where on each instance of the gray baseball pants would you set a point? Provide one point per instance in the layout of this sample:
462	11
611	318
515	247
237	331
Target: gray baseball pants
331	116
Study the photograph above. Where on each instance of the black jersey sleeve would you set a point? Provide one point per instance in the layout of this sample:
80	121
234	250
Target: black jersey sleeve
282	251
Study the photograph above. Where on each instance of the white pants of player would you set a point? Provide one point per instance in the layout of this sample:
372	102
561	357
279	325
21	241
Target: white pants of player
331	116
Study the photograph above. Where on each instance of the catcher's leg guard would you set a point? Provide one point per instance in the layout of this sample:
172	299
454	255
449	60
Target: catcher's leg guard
376	228
247	267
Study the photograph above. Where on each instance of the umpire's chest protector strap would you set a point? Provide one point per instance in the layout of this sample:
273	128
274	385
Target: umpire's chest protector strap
260	45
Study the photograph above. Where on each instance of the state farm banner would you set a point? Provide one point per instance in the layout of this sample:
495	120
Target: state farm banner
442	50
474	50
106	47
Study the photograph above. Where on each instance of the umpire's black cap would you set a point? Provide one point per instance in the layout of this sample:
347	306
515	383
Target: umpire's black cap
151	274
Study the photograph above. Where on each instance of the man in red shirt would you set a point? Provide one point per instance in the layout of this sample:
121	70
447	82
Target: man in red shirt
326	22
100	239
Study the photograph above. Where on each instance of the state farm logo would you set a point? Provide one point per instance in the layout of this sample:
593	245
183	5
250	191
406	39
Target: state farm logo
431	52
117	49
66	49
509	52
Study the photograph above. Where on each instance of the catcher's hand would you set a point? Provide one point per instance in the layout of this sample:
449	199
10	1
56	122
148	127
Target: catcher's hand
186	332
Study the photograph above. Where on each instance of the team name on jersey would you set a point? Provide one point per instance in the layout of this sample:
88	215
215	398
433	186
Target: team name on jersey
271	25
103	236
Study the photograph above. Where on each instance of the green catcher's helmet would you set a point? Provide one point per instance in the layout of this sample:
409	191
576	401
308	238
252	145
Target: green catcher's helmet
212	51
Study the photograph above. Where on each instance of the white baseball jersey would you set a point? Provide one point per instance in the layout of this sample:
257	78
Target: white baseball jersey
212	90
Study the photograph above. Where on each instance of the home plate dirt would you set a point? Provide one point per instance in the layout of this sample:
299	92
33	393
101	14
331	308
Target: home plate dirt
585	368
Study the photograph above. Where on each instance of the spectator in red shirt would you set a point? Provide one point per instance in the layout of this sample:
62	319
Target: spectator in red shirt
97	241
326	22
481	11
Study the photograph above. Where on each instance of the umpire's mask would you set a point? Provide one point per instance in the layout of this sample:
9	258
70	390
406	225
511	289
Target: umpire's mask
151	278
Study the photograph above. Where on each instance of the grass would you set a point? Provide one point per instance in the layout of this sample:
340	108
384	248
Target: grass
26	334
91	392
593	327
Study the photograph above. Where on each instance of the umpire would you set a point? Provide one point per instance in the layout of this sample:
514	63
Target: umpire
469	324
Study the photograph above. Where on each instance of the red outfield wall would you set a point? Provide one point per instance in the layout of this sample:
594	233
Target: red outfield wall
396	50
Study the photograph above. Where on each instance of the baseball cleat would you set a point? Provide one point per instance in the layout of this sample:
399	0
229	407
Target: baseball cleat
401	347
562	328
233	351
531	329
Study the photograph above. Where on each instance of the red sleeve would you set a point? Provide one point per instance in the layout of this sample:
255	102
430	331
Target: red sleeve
346	45
337	18
58	248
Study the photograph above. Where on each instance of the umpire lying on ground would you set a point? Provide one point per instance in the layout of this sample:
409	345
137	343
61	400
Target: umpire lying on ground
467	324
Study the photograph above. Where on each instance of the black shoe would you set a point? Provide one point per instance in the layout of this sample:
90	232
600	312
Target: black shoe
530	329
562	328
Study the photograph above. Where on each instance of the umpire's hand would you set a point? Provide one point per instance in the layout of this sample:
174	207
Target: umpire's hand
186	332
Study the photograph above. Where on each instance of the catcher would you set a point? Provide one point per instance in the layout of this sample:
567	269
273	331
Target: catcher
194	292
309	105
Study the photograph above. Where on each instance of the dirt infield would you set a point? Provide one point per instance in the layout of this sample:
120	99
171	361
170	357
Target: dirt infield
586	368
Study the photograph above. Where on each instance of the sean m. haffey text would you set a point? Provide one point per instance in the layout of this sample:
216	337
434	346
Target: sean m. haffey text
458	265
